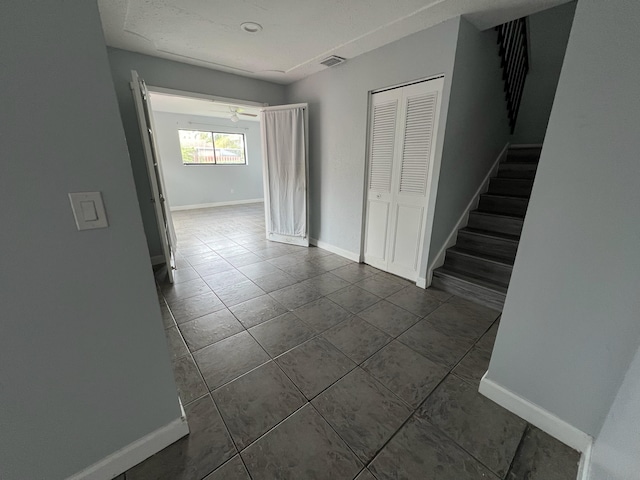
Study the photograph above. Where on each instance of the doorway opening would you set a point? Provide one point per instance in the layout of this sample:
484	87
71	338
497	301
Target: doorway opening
204	152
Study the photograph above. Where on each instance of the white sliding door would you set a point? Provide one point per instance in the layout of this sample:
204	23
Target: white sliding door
285	167
154	169
402	135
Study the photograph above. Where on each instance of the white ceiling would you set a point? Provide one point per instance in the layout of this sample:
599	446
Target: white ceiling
161	102
297	34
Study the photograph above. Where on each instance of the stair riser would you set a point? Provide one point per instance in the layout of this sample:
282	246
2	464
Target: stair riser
480	267
508	226
507	170
524	155
504	205
510	186
498	247
470	291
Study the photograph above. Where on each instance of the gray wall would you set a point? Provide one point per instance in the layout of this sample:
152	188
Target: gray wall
338	110
84	367
570	323
615	451
476	130
165	73
548	37
200	184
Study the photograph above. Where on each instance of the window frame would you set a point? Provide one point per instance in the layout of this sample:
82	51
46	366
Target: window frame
215	163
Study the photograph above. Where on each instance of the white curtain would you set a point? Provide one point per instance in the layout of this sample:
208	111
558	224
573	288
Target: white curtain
284	154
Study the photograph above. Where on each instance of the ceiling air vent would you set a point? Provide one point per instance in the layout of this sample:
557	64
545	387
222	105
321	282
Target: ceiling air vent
332	61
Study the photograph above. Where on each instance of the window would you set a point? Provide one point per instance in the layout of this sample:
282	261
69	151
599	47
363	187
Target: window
212	148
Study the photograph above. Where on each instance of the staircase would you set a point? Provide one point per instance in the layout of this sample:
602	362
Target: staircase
479	266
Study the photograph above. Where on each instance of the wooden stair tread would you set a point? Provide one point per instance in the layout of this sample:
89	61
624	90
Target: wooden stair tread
483	256
445	271
489	233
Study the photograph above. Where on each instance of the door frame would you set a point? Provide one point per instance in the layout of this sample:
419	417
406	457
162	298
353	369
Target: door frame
432	178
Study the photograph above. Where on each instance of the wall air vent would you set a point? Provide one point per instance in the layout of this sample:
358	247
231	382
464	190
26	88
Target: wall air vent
332	61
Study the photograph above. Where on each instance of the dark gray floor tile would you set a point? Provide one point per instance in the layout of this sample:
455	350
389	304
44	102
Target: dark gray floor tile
259	269
207	446
194	249
354	272
274	281
180	291
417	300
210	328
304	270
485	430
224	279
405	372
244	259
188	380
257	310
389	317
281	333
232	470
256	402
285	261
321	314
462	319
420	451
229	358
542	457
212	266
315	365
302	447
365	475
194	307
177	347
167	318
201	258
331	262
295	296
353	298
326	283
476	363
381	286
357	339
437	347
238	293
363	412
184	274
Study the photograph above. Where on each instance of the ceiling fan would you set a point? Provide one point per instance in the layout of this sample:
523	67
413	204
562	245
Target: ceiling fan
235	111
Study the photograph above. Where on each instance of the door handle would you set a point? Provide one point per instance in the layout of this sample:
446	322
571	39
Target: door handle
379	195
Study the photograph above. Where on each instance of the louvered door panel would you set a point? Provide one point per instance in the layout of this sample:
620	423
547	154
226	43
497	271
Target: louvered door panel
383	151
383	135
416	152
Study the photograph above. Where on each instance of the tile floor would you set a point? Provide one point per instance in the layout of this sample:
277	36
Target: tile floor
295	363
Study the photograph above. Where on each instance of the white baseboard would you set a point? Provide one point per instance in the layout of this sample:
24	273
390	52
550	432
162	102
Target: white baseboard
421	282
464	218
536	415
157	260
216	204
354	257
585	463
136	452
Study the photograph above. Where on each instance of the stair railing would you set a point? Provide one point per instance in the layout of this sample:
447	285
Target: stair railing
514	54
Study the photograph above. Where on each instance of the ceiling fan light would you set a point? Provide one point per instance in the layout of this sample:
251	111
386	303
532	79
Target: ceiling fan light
234	118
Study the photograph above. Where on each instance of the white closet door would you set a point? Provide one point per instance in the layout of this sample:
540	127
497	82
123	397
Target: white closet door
383	123
400	240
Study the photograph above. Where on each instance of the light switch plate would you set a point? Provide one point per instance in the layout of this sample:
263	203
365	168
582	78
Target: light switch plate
88	210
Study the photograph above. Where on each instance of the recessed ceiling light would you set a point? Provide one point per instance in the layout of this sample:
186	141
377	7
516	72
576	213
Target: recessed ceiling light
251	27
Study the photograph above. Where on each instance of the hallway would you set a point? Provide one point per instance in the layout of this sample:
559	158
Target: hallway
295	363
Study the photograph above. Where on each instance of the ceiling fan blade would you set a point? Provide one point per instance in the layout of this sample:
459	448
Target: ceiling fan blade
247	114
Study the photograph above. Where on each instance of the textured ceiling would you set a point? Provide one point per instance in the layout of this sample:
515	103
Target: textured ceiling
297	34
161	102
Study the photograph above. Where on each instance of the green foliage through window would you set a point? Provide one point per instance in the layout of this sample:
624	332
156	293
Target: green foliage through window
212	148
